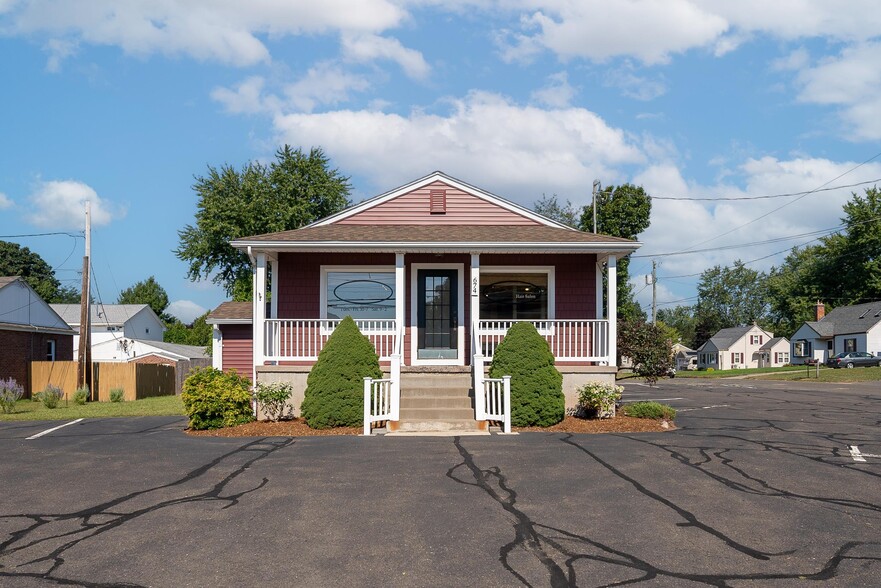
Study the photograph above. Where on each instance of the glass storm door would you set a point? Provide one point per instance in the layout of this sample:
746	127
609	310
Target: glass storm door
437	316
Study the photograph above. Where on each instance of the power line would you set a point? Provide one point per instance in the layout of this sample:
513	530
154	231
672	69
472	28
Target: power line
765	197
74	235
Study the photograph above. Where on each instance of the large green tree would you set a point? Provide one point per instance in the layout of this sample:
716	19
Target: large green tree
622	211
681	319
730	297
294	190
147	292
16	260
199	333
553	209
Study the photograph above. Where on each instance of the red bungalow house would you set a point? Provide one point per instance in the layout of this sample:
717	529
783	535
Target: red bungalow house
434	273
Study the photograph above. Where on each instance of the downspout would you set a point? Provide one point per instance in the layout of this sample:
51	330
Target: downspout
254	367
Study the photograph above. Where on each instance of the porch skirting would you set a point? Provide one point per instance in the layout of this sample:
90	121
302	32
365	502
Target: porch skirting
573	378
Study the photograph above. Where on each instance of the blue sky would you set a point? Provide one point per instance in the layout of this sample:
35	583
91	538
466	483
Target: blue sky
123	102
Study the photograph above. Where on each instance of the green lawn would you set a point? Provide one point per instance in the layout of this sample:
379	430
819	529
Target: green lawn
871	374
744	372
28	410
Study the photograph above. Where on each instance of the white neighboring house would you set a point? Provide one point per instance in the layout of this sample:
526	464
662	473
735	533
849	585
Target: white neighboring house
146	351
774	353
734	348
113	322
844	329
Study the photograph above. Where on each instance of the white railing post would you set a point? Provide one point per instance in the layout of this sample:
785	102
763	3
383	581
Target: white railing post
612	303
507	403
368	385
479	393
396	387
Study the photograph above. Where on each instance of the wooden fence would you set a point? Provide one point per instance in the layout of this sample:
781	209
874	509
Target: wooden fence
137	380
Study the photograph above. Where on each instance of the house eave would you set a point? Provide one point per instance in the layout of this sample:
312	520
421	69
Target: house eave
36	329
433	247
211	321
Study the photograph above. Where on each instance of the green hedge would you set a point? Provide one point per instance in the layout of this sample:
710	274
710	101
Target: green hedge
213	399
334	394
536	385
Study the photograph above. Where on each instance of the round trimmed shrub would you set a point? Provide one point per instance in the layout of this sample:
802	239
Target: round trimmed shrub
214	399
334	394
536	385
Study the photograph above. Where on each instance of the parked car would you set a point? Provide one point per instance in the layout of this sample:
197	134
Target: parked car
853	359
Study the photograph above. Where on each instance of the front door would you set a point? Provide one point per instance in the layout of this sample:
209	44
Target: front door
437	314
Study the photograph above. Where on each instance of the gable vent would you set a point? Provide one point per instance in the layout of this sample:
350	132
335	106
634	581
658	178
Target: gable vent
437	202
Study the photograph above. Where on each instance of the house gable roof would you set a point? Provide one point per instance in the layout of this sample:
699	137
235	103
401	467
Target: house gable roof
771	343
467	197
103	314
22	309
845	320
531	233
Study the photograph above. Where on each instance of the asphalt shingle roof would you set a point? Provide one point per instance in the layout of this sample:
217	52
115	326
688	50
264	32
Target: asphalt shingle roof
772	342
105	314
231	311
845	320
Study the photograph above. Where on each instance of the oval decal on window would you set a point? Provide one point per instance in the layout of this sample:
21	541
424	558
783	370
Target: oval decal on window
514	292
363	292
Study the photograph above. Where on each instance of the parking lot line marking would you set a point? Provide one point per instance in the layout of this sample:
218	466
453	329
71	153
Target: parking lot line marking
47	431
858	455
701	407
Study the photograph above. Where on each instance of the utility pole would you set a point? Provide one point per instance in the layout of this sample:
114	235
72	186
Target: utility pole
596	187
654	291
84	363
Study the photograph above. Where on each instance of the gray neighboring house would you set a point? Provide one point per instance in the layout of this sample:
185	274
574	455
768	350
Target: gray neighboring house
846	328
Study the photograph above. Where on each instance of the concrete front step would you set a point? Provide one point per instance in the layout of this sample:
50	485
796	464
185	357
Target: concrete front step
435	381
436	414
436	402
419	392
437	425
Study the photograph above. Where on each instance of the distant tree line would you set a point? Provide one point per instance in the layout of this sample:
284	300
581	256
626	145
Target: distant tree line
843	268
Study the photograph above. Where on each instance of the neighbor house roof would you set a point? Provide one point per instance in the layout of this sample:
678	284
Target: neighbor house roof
187	351
231	313
771	343
104	314
725	338
6	280
845	320
51	321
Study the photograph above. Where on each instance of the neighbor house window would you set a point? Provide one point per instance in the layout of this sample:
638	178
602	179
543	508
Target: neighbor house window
736	358
801	348
360	294
781	357
514	295
50	350
850	345
755	339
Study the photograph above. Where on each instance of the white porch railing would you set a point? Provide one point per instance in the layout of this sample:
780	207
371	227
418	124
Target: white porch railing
496	396
569	340
303	339
379	401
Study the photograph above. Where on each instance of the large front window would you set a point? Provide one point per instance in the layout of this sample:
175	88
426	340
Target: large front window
514	295
360	294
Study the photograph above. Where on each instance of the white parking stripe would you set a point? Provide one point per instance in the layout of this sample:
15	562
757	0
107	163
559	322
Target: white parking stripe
47	431
857	455
701	407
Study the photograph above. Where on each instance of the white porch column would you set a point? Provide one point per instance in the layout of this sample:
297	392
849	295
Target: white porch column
598	276
273	288
613	309
400	298
476	351
259	311
216	347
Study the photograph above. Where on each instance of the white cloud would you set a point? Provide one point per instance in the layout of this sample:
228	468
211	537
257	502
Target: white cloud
5	201
246	97
635	86
61	205
794	61
851	81
227	32
325	83
558	93
59	50
186	311
369	47
519	151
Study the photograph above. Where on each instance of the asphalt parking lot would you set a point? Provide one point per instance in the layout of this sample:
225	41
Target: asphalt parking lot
759	486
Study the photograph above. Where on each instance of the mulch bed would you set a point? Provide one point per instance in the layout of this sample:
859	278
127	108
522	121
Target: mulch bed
299	428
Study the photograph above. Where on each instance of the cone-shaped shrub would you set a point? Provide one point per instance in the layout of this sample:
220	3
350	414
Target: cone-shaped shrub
334	394
536	385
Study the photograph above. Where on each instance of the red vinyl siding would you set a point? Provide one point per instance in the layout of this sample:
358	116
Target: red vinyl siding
414	208
238	349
